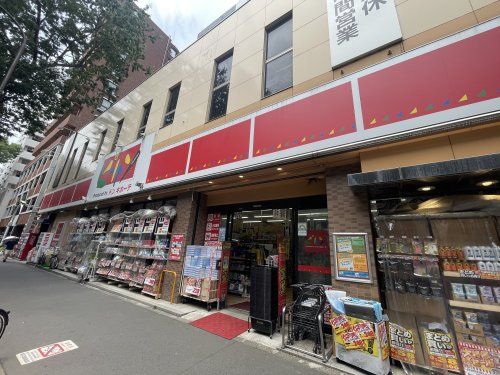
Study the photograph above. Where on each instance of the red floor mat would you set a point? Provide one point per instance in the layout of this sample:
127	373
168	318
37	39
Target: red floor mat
222	325
242	306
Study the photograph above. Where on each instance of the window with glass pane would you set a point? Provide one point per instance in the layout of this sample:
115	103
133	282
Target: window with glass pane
172	104
144	121
220	89
119	126
279	65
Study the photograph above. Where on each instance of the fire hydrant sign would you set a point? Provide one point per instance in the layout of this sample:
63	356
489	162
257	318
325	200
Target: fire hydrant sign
46	351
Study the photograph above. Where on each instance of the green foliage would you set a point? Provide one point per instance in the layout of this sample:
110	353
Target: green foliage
73	48
8	151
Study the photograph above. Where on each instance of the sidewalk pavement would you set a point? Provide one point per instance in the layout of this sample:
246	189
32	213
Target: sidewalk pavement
189	313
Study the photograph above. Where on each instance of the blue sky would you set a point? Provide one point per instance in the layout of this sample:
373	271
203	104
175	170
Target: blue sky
184	19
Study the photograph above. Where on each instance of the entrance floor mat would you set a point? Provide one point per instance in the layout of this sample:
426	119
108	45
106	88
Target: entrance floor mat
221	325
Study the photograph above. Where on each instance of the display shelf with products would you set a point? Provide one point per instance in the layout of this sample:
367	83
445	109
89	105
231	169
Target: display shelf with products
85	241
137	249
465	249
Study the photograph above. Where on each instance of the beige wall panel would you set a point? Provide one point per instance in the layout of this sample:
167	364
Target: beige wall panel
205	73
297	2
475	143
311	35
312	63
416	16
269	191
209	40
277	8
163	133
225	43
249	47
488	12
306	11
154	120
229	24
184	101
245	94
248	10
247	69
200	94
180	124
197	115
369	60
476	4
428	151
251	26
440	31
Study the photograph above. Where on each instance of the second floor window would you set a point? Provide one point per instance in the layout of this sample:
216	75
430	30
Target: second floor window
99	145
119	127
73	155
79	165
220	91
172	104
279	66
144	121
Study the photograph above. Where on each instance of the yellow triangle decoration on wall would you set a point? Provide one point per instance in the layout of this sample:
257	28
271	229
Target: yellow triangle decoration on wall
204	165
374	121
414	111
303	140
235	157
463	98
176	173
278	146
332	132
218	162
258	152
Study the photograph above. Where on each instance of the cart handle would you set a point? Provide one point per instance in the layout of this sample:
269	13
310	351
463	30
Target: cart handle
173	285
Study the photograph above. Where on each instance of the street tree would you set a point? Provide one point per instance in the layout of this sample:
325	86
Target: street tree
8	151
75	48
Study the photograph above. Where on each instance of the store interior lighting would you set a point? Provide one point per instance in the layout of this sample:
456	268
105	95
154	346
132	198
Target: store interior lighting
279	169
252	221
210	182
275	221
426	188
262	216
96	207
241	176
150	198
487	183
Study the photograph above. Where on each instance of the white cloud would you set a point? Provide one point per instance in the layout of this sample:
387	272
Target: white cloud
184	19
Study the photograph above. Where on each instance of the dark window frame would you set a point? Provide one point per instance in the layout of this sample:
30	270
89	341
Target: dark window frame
79	165
119	127
267	60
224	85
99	145
171	107
146	111
70	164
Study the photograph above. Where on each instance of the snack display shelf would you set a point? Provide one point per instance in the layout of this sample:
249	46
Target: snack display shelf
137	246
474	306
136	256
482	275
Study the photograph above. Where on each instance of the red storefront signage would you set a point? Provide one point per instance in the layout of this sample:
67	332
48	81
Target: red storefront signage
317	241
212	229
176	244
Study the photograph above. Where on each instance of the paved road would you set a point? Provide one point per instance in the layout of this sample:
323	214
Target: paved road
114	336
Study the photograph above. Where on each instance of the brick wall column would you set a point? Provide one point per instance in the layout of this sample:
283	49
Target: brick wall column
191	211
348	211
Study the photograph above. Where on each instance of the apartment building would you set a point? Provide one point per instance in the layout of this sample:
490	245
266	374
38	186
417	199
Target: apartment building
358	139
12	171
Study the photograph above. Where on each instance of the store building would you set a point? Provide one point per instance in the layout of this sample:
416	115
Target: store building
288	128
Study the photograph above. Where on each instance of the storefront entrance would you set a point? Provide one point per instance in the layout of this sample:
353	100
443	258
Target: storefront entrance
257	230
